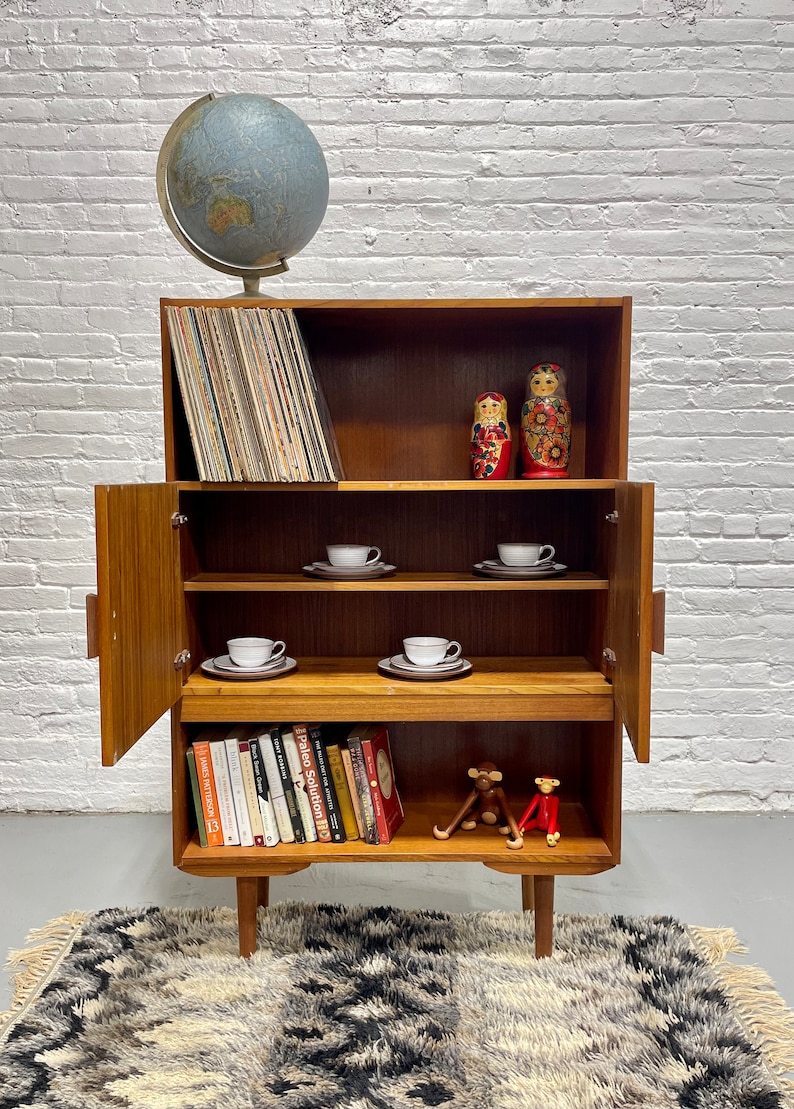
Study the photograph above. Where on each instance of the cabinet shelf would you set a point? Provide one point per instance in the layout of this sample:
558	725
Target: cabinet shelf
400	583
468	485
558	688
581	850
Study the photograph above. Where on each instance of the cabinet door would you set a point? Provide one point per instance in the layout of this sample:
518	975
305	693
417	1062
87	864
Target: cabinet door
140	611
630	629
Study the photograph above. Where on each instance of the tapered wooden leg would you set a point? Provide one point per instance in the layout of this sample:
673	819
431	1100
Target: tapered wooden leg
527	892
247	898
544	914
263	892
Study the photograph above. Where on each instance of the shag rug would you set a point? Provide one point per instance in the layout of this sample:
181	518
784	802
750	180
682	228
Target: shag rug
361	1008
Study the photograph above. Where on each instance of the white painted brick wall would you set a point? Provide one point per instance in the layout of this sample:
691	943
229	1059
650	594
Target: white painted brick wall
476	148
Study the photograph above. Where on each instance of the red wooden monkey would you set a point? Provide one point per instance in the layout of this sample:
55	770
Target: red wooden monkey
486	802
547	807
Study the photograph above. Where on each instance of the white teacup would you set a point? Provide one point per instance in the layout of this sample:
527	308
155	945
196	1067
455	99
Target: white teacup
524	554
430	650
250	651
352	554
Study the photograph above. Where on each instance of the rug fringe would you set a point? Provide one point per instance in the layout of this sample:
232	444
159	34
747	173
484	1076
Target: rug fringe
757	1002
34	964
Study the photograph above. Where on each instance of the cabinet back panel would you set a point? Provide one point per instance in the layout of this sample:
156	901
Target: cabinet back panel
370	624
401	383
251	532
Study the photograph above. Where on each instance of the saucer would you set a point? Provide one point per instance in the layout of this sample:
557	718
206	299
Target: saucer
520	573
403	663
224	662
348	573
429	674
497	564
211	667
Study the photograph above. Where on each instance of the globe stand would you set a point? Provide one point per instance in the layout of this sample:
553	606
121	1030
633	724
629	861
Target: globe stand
251	281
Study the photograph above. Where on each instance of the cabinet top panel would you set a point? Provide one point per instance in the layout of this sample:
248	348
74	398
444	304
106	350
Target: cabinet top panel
552	303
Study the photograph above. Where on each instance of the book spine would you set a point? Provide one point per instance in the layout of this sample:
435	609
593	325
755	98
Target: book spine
251	796
223	783
353	791
286	783
362	785
374	790
285	829
312	778
209	793
326	782
299	786
337	768
238	793
269	822
196	795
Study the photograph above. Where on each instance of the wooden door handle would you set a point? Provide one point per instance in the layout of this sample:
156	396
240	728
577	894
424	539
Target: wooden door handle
91	625
657	630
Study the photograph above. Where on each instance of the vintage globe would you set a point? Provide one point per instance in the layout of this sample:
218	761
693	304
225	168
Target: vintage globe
242	183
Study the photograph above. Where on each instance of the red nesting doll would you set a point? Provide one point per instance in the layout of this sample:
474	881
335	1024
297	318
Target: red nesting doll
490	437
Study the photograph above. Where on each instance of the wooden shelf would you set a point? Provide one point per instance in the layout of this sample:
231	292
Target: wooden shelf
566	688
398	583
580	851
397	486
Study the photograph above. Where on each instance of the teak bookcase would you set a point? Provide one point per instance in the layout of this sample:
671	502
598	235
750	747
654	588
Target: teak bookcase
560	665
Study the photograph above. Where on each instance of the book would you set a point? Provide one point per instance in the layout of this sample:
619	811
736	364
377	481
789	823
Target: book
223	784
352	790
196	795
386	802
251	794
299	786
335	824
244	829
266	807
362	782
286	813
311	776
208	791
334	755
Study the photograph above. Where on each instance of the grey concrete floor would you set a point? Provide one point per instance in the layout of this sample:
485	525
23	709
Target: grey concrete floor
707	869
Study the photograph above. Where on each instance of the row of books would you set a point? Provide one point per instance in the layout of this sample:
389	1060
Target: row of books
261	785
254	409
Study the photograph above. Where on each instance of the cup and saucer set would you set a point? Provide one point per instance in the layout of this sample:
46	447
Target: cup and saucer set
521	562
426	658
350	562
251	658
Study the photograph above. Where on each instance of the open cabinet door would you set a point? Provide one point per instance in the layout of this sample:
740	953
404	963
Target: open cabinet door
630	628
140	611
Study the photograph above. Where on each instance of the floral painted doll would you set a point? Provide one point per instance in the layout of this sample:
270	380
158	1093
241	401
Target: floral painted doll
490	437
545	423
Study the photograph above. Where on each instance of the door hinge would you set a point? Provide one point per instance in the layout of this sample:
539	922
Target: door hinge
609	655
178	519
181	659
612	517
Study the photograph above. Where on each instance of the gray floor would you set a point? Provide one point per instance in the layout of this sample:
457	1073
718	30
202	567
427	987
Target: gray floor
704	869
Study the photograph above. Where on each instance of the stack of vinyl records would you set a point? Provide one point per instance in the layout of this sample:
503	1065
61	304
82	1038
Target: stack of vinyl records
254	409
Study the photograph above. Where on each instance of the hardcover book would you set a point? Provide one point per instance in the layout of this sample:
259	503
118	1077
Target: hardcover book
311	776
195	793
327	783
208	792
389	813
362	782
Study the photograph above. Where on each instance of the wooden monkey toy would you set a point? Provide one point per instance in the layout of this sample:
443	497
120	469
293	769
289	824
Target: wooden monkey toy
547	807
486	802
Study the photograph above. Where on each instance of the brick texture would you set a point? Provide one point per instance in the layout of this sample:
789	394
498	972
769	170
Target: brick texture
476	148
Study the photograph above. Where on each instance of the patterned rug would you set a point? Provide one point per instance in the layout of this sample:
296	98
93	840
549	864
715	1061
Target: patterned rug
360	1008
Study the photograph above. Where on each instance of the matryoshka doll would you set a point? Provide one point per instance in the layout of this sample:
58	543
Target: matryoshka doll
545	423
490	437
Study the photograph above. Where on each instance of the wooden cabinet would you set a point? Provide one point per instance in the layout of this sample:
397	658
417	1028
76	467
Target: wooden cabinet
560	665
